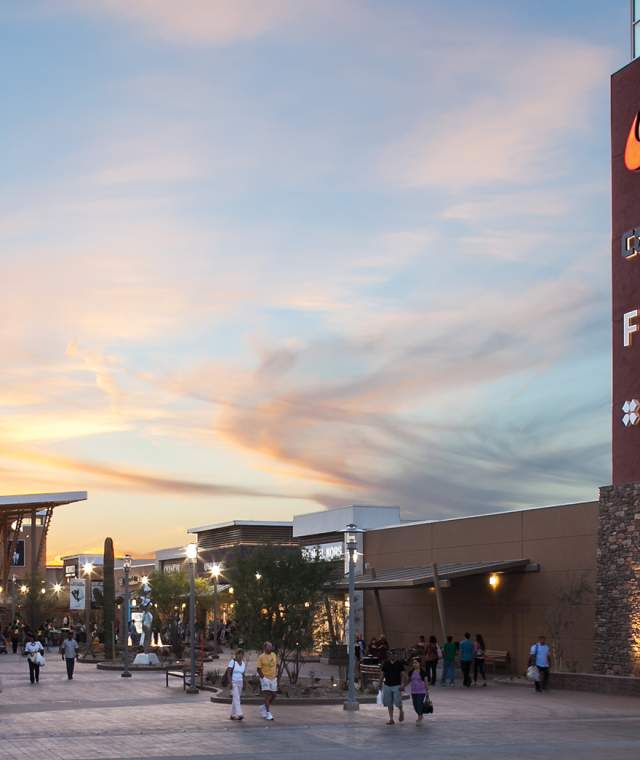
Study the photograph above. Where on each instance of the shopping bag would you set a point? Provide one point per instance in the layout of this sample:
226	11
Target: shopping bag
533	674
379	701
39	660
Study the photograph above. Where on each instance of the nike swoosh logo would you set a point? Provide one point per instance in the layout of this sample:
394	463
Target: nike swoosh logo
632	149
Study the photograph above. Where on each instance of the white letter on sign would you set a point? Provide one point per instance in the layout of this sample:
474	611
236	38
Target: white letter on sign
627	328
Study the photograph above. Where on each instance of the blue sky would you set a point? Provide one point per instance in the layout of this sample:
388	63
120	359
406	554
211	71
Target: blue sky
266	257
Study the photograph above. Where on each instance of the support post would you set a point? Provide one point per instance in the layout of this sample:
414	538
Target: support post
34	572
440	602
124	619
376	595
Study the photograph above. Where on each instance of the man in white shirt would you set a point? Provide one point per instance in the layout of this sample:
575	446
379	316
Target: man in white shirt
541	658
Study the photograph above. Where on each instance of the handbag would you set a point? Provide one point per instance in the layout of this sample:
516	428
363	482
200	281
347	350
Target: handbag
428	706
226	678
533	674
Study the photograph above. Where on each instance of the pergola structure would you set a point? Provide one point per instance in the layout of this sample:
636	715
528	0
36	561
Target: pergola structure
436	576
16	511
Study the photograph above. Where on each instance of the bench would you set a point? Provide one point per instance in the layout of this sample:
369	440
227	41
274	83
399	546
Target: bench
495	657
184	672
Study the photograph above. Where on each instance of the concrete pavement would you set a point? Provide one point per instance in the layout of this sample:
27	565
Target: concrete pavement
101	715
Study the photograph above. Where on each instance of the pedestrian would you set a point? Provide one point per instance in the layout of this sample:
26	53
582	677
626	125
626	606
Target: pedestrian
3	643
360	646
235	676
466	659
479	652
431	659
392	685
420	649
449	662
69	652
34	651
15	636
419	686
540	656
267	667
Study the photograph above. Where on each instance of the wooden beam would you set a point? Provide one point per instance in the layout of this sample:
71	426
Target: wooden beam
376	594
440	602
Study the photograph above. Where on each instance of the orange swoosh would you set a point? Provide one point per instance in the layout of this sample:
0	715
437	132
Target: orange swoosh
632	149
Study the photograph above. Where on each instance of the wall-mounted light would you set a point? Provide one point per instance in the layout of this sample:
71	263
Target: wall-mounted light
494	580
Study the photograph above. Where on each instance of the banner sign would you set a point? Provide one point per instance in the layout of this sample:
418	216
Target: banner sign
76	594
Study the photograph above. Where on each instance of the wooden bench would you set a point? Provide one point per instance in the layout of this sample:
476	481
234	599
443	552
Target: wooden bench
184	672
495	657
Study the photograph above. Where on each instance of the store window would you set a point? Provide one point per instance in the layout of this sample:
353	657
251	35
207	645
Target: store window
635	28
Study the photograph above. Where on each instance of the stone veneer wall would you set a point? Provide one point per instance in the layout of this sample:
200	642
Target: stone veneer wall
617	631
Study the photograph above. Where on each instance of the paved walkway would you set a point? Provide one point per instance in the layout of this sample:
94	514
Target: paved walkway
100	715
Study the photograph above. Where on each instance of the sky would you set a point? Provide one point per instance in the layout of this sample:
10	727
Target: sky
266	257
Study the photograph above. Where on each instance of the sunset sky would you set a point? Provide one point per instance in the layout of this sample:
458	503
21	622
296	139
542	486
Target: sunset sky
260	257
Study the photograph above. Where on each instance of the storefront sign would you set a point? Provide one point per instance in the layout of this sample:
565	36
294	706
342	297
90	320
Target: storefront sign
324	551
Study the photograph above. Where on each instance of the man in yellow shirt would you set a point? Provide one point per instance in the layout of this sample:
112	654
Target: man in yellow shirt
267	666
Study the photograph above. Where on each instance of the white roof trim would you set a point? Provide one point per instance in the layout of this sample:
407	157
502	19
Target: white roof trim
231	523
42	499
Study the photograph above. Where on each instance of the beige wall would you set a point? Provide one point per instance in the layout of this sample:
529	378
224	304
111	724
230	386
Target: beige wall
561	539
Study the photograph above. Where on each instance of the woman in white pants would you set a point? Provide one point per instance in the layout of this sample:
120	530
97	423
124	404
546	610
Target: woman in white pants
235	671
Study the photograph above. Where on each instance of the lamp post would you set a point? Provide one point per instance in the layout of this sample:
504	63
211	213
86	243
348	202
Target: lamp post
216	570
351	544
192	557
124	618
87	569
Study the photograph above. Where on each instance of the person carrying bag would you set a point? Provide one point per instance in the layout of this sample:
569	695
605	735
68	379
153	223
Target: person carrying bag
35	657
234	678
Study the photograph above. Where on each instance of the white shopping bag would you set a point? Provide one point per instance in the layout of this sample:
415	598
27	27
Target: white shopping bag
379	698
533	674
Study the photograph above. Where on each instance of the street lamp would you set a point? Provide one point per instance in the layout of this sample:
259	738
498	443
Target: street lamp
87	569
192	557
216	570
351	543
124	617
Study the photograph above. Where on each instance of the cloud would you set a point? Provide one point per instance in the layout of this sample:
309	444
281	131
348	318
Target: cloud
129	479
511	130
205	22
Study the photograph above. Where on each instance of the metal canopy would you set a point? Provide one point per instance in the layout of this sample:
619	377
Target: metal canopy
412	577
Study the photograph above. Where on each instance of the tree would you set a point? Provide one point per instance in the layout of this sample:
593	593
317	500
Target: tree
168	591
277	596
561	614
109	598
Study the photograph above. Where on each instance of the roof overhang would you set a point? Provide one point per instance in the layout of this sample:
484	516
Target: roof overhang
12	506
414	577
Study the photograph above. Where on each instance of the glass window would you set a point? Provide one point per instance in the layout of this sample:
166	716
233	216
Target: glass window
636	40
636	10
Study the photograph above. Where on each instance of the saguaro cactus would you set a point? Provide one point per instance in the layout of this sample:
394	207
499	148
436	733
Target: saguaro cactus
109	599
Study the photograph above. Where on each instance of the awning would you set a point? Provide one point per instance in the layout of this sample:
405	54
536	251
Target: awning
411	577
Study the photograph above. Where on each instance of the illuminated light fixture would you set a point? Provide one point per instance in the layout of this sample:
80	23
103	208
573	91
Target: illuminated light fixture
87	568
306	604
216	570
57	587
258	576
133	603
1	589
494	580
24	589
191	550
145	579
43	590
231	590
